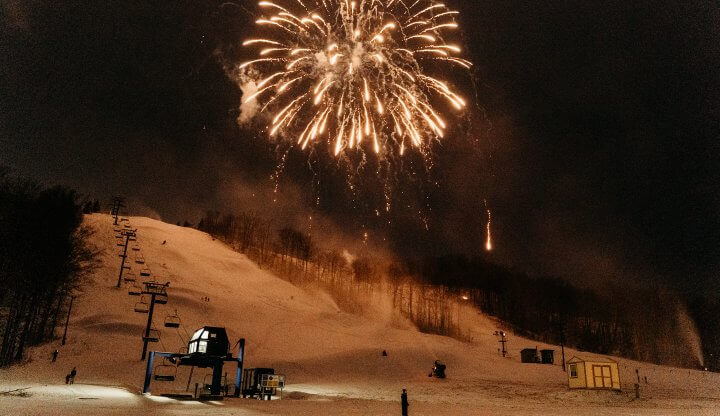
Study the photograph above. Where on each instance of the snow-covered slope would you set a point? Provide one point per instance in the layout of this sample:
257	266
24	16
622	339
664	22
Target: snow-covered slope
332	359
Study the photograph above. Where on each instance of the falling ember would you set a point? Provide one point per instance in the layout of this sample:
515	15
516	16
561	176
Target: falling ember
488	240
352	73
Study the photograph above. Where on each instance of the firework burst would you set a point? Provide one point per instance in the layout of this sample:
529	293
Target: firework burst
352	74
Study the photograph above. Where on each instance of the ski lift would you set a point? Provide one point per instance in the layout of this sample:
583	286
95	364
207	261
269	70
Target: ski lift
165	371
153	335
134	290
172	321
129	277
145	272
142	306
136	248
161	298
139	259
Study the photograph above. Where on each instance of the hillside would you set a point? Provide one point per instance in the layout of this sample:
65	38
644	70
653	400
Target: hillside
332	359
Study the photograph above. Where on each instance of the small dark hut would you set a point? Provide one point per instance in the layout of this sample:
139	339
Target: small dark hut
529	355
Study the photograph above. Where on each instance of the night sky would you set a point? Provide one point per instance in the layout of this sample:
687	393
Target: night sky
594	135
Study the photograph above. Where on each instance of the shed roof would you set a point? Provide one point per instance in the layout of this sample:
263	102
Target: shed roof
578	359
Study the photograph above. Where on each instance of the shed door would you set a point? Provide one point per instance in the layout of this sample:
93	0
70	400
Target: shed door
602	376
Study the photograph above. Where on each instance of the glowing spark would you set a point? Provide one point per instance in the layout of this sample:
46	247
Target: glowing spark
266	41
488	240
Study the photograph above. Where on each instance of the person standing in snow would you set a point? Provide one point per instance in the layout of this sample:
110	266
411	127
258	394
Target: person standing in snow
54	355
404	403
438	370
70	378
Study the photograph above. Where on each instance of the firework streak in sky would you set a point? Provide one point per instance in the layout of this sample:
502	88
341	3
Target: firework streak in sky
353	73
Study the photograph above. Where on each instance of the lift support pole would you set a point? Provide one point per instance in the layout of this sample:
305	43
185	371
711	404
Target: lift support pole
117	204
147	328
124	255
238	374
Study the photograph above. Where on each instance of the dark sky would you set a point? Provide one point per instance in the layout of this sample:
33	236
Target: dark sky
594	137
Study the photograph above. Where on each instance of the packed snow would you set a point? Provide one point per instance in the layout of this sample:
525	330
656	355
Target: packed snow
332	359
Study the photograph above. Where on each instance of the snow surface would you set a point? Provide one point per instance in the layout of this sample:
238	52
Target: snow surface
332	359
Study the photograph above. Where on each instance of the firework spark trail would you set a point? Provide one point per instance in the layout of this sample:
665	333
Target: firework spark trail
488	240
351	73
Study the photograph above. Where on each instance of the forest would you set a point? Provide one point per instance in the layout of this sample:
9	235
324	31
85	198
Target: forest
430	291
44	257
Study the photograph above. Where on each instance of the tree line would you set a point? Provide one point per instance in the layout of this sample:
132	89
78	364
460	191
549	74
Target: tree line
643	323
428	291
44	256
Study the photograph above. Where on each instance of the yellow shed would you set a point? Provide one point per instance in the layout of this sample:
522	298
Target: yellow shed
593	373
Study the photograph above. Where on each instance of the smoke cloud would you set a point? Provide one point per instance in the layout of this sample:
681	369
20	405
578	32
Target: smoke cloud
688	331
248	108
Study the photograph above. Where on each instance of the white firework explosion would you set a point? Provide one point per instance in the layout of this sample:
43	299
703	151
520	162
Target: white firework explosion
353	73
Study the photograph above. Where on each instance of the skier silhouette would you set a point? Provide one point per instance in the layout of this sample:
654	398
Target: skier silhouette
404	403
70	378
438	370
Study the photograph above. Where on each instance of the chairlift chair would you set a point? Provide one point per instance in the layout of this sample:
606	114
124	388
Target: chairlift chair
145	272
134	290
161	299
153	336
142	307
136	248
129	277
139	259
165	371
172	321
